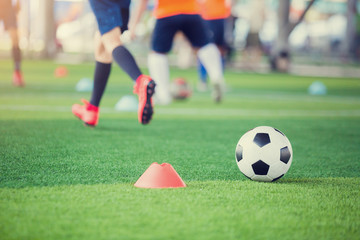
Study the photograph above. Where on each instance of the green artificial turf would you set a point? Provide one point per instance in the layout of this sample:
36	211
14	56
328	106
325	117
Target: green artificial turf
316	208
61	180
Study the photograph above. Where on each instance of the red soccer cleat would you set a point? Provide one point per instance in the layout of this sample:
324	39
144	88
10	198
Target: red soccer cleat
18	80
145	88
88	113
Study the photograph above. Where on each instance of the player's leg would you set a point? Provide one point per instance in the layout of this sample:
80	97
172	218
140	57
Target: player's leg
161	44
144	85
195	30
209	55
202	74
159	69
89	112
102	71
112	18
9	18
120	53
16	52
216	29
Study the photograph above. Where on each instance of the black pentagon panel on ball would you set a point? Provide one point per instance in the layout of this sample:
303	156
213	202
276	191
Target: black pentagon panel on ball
260	168
261	139
239	153
285	155
278	178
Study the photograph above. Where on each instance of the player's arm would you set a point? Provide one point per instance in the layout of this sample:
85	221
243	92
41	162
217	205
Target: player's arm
137	15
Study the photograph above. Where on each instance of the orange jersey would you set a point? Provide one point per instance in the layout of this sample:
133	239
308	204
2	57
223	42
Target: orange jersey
215	9
167	8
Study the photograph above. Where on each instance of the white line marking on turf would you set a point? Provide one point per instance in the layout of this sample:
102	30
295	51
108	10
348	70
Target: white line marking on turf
257	112
202	111
237	96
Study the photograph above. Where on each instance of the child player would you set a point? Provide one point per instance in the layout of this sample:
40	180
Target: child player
173	16
112	17
8	12
214	13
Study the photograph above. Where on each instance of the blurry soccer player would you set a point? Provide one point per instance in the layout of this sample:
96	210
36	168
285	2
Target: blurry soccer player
214	13
8	12
173	16
112	17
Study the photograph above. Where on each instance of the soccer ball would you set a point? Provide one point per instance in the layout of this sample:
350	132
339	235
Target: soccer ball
180	89
264	154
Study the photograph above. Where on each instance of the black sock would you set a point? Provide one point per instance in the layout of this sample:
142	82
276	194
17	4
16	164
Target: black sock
126	61
101	76
17	57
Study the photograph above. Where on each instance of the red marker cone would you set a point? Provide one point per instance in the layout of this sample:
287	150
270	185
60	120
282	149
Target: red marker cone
61	71
160	176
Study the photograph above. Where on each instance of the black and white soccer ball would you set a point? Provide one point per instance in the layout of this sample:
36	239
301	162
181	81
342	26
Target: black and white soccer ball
264	154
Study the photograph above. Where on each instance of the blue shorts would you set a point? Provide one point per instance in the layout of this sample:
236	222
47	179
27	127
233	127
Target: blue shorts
217	31
192	26
111	14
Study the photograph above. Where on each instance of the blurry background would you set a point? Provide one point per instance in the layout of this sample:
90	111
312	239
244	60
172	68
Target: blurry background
295	35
